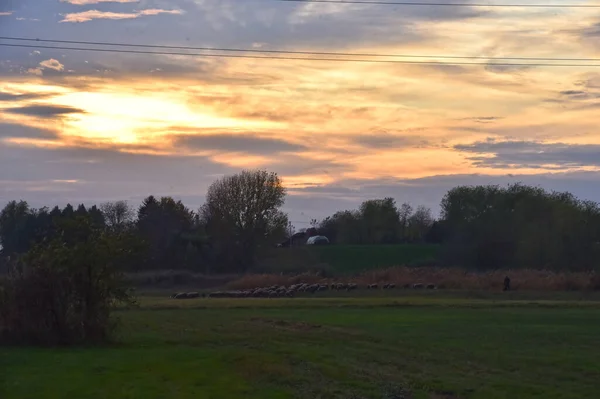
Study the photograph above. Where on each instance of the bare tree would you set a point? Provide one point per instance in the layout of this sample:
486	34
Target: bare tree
242	212
404	214
117	214
420	222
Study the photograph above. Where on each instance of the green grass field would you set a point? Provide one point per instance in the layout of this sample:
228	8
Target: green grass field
349	259
434	346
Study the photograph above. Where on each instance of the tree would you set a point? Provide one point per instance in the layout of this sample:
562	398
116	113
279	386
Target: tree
63	293
68	211
117	214
380	221
490	227
404	213
161	223
242	215
16	231
419	224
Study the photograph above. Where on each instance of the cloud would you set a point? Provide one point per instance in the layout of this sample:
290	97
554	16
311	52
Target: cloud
592	31
6	96
531	154
238	143
483	119
52	64
35	71
95	14
429	191
386	140
12	130
43	111
6	13
88	2
104	175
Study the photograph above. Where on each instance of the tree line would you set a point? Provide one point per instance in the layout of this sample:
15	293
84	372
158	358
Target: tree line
66	266
380	221
480	227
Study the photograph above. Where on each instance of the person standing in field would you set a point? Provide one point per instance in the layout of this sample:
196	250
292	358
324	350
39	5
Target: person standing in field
506	284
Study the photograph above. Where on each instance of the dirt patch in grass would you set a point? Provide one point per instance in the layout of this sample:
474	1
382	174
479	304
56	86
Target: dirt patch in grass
288	325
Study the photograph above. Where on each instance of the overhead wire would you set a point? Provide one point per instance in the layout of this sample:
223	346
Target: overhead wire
327	53
143	52
439	4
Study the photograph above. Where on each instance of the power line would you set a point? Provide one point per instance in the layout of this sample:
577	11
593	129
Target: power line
292	52
294	58
418	4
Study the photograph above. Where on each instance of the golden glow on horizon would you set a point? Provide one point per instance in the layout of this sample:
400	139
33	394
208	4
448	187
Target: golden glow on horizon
368	120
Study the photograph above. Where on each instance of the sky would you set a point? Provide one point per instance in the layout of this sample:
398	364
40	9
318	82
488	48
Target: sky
88	127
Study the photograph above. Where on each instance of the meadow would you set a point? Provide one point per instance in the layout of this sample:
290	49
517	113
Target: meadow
347	259
428	345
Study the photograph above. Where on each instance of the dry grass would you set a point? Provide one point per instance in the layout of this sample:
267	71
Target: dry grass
534	280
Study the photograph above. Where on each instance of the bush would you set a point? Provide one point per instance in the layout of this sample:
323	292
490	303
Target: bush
64	294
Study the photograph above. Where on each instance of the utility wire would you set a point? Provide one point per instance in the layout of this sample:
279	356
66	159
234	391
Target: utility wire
414	3
293	58
291	52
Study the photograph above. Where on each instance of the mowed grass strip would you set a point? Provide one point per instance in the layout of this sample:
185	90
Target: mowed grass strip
290	350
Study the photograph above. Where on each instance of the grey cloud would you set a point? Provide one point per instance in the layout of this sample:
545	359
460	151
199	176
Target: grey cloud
11	130
572	92
293	164
506	69
385	140
44	111
4	96
238	143
580	94
429	191
591	31
483	119
586	95
224	23
531	154
102	175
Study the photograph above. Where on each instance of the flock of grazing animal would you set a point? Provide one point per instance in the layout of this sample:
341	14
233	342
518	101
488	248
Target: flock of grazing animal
281	291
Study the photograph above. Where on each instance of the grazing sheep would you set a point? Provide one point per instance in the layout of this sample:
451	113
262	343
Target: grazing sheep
193	295
418	286
372	286
181	295
351	286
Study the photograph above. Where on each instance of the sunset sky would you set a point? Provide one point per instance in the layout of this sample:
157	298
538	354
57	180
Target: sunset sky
78	126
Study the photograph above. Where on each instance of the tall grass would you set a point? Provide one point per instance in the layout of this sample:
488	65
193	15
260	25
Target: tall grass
449	278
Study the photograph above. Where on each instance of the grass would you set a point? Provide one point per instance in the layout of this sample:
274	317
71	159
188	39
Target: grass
431	346
347	259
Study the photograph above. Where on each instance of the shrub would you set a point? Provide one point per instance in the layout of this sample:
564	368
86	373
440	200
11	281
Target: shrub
63	293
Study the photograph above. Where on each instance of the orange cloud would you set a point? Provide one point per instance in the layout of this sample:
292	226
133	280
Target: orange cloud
95	14
52	64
